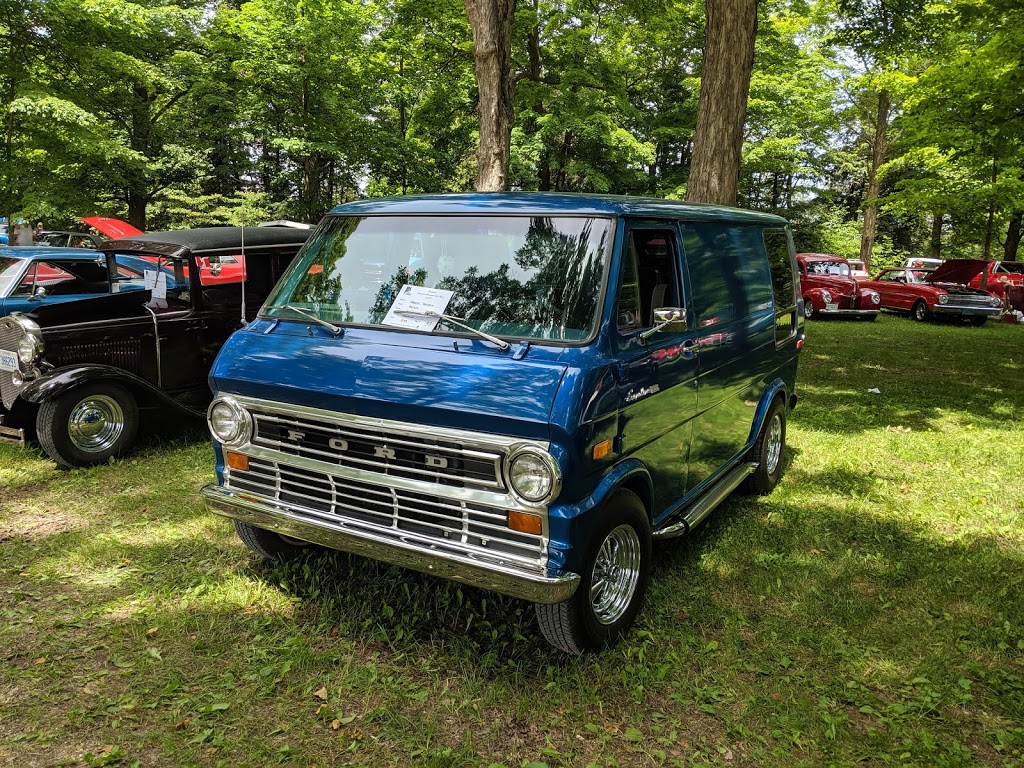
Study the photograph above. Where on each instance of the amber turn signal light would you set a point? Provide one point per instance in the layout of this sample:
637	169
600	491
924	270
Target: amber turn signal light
524	522
602	449
238	461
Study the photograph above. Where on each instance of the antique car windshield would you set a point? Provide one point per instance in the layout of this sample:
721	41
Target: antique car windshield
9	271
828	268
1008	268
527	277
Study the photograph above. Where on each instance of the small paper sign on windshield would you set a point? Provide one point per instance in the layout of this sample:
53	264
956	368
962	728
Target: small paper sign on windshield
155	282
414	305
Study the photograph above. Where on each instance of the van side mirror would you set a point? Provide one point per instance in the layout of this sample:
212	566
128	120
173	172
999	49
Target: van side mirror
665	317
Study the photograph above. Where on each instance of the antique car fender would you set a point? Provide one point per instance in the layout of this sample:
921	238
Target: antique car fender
815	297
55	383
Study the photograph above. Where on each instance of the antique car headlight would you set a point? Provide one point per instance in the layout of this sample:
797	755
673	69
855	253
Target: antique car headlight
995	302
533	474
826	297
229	422
875	298
943	298
27	350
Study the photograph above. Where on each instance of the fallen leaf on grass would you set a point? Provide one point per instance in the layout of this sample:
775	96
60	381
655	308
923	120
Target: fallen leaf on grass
728	754
41	660
183	724
151	631
90	689
335	724
321	694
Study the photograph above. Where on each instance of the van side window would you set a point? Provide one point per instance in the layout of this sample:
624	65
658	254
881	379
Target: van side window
780	260
727	270
649	278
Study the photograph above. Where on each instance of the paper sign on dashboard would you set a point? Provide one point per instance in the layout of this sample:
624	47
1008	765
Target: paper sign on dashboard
412	306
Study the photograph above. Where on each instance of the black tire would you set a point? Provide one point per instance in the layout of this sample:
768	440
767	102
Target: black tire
977	322
872	318
920	312
267	544
576	626
88	425
808	309
769	468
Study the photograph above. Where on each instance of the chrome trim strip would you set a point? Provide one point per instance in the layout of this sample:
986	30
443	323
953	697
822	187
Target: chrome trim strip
485	442
976	308
264	513
847	312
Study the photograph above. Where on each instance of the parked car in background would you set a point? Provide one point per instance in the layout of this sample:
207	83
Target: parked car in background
62	239
515	391
111	227
997	276
942	292
922	262
857	270
829	289
79	373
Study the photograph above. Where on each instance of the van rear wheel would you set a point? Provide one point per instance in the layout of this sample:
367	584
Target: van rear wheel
613	581
768	452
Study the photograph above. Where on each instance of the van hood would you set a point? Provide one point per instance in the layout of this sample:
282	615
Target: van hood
480	389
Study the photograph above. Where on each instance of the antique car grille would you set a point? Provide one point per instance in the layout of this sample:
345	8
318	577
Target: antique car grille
11	333
440	524
378	450
123	354
970	300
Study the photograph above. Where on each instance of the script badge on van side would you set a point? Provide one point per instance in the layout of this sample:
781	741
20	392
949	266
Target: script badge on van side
636	394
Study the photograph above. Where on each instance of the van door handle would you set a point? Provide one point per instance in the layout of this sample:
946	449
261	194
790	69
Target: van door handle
689	349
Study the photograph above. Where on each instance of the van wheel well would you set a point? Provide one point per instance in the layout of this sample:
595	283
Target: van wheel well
638	485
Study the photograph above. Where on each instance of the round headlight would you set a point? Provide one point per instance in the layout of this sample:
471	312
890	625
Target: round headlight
943	298
875	298
27	350
827	297
229	422
533	474
994	301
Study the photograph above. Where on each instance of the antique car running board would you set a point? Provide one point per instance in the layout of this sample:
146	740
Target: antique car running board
11	435
707	502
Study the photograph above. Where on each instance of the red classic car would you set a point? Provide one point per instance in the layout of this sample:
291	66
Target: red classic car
941	292
998	276
828	288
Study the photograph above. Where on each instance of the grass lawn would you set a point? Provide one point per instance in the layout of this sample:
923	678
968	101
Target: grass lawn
867	612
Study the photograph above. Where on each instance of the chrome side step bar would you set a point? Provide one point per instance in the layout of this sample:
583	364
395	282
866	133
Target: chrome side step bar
703	506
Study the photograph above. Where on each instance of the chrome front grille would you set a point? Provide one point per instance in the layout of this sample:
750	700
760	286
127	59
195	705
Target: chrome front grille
970	300
368	447
440	524
11	334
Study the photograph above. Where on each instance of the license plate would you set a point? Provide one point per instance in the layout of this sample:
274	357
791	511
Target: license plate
8	361
831	307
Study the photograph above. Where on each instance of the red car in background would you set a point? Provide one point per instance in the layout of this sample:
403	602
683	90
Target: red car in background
829	290
942	292
998	276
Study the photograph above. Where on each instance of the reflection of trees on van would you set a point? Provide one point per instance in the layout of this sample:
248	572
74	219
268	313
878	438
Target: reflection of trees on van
557	298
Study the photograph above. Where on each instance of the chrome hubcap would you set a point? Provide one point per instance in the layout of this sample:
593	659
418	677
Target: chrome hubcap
96	423
616	574
774	447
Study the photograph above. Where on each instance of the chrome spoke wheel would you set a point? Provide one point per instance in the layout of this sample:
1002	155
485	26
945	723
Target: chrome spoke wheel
773	448
616	574
96	423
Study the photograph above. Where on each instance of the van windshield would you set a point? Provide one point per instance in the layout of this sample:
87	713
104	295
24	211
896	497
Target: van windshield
517	277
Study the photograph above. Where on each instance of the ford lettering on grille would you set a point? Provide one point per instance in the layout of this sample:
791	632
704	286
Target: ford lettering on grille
377	450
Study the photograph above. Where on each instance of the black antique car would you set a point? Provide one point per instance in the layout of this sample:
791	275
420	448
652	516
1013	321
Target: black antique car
80	374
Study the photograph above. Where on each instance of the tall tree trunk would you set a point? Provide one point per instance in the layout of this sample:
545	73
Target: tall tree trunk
874	185
1013	235
986	249
936	241
491	23
722	108
137	209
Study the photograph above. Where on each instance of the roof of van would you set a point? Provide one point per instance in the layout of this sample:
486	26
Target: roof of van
552	203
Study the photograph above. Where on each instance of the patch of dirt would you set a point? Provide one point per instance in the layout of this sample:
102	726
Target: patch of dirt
35	525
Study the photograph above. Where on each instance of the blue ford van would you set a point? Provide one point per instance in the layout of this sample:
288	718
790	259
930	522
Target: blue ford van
516	391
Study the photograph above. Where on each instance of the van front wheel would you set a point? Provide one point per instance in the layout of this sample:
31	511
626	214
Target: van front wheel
769	451
613	581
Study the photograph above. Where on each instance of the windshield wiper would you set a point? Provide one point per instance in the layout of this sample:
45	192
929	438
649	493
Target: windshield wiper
458	321
337	330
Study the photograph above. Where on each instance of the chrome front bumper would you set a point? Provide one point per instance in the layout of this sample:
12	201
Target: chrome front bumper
966	310
273	516
848	312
